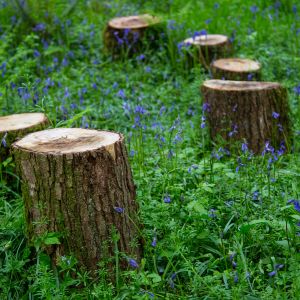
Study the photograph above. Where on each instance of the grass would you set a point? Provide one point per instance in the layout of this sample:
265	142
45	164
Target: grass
216	225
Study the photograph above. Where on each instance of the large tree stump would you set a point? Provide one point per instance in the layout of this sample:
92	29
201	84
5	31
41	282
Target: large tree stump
13	127
256	112
78	183
235	69
209	47
128	35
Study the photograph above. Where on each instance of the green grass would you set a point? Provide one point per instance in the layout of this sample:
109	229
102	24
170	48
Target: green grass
223	231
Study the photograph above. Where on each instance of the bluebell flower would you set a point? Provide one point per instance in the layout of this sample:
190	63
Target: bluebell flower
254	9
140	110
3	140
233	131
206	107
154	242
167	199
273	273
64	62
296	204
121	94
275	115
36	53
212	213
170	153
236	277
141	57
216	6
171	280
279	266
132	262
171	24
250	76
297	90
148	69
268	149
255	195
244	147
39	27
67	94
119	210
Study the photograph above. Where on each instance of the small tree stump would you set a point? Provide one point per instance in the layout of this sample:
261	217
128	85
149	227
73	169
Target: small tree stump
246	110
78	183
235	69
14	127
209	47
126	34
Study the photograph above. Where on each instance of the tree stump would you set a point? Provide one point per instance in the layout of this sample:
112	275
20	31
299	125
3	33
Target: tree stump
14	127
235	69
255	112
128	35
77	183
209	47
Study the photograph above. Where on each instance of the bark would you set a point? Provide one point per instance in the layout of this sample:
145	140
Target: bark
236	69
130	35
75	194
207	48
244	111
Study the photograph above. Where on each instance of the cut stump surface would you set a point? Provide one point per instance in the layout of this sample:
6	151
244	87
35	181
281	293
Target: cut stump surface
14	127
209	47
255	112
78	183
127	35
236	69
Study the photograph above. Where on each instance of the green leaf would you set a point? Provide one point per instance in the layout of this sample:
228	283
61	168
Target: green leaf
247	226
154	277
51	239
197	207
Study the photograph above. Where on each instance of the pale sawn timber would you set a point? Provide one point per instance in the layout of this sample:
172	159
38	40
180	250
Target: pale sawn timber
209	47
240	69
247	111
78	183
14	127
130	34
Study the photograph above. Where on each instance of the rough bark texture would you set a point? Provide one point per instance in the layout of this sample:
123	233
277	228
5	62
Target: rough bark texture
76	195
235	69
130	37
244	111
207	48
12	135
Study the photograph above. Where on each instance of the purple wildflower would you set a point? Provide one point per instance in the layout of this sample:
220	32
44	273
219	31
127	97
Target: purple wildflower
132	262
273	273
212	213
167	199
250	76
236	277
254	9
154	242
206	107
119	210
234	130
296	204
3	141
121	94
275	115
39	27
297	90
244	147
